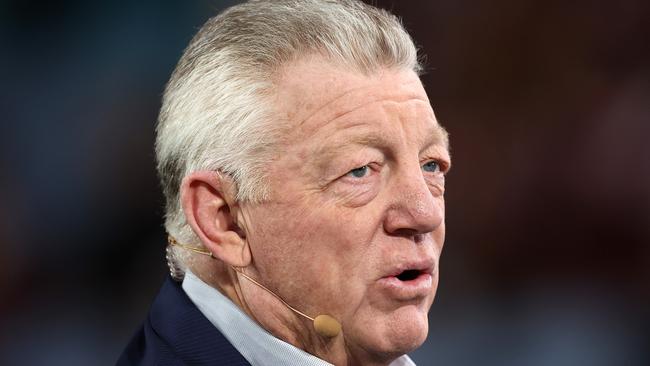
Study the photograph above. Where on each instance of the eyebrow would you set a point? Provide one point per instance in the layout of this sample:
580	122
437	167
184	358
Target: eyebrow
324	154
437	136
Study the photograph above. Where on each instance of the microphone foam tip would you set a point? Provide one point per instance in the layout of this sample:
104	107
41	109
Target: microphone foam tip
327	326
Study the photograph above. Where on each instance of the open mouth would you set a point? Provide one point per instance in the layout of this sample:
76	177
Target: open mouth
409	275
412	282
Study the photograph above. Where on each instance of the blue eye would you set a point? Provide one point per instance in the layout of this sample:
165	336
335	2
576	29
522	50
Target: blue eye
431	167
359	172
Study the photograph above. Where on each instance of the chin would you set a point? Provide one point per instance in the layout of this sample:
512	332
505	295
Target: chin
408	329
397	333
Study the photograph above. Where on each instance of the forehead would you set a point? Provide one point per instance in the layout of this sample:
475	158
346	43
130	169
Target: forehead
315	96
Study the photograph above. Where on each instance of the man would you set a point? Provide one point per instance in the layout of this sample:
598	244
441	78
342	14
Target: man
303	169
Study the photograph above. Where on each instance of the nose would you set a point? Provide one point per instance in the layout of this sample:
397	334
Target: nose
415	207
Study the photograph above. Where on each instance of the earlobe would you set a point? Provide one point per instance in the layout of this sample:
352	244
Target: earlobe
205	198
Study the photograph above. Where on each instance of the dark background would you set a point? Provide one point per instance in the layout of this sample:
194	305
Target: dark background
547	260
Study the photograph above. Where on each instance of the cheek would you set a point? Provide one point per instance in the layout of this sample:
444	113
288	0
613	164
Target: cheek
279	233
286	239
311	254
310	227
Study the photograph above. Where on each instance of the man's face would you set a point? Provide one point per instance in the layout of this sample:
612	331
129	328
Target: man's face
354	225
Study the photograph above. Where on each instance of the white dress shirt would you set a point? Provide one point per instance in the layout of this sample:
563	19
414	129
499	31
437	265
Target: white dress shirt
258	346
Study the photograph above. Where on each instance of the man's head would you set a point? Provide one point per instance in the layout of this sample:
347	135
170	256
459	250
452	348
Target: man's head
295	140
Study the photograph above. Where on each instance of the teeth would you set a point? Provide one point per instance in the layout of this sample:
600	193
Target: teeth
408	275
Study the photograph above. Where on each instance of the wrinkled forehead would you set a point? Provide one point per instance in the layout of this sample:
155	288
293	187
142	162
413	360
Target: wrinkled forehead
312	93
314	85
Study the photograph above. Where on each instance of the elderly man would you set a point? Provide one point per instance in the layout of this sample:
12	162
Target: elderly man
304	172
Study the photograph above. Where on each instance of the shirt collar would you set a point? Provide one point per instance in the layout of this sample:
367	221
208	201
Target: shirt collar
257	345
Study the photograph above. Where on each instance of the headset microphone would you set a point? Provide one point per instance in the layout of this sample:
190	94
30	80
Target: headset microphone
324	325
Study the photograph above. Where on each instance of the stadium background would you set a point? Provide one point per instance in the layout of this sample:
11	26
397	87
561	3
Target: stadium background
547	260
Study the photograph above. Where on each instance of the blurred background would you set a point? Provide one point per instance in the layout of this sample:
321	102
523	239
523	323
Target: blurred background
547	260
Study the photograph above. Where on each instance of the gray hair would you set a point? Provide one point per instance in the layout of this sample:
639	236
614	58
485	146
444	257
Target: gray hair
215	111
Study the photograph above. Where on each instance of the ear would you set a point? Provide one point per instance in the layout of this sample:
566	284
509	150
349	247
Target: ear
205	198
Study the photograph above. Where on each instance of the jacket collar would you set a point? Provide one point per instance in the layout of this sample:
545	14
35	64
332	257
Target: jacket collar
191	336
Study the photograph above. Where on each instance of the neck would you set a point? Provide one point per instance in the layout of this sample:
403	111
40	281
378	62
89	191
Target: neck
274	316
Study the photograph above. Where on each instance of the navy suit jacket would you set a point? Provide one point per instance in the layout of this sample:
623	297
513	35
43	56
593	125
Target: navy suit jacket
177	333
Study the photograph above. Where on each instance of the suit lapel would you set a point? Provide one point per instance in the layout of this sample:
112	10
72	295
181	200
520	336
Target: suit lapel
189	334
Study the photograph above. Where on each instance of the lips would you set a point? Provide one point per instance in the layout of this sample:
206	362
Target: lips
409	280
409	275
409	270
